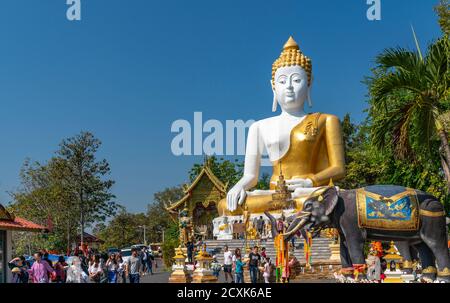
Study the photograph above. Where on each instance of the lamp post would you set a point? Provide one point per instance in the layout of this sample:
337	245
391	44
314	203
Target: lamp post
145	239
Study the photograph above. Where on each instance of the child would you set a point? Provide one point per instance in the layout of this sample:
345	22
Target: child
267	270
239	272
216	267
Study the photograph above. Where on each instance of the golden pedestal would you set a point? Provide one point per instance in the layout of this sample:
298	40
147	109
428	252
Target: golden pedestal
203	273
179	273
335	252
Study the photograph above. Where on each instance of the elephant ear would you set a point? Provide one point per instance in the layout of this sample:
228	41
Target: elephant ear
329	199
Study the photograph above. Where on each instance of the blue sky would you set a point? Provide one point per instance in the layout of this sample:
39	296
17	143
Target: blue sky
128	69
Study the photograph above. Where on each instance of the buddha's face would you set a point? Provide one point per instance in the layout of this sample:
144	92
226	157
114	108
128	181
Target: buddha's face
291	88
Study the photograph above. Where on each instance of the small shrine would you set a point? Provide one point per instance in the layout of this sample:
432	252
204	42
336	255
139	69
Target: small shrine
393	259
203	273
179	271
200	203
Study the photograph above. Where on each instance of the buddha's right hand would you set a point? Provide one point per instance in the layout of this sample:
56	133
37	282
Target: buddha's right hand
236	196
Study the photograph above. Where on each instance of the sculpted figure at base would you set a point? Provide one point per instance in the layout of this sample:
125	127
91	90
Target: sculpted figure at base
308	146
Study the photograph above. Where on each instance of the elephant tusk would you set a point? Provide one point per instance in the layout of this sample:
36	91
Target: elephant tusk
296	228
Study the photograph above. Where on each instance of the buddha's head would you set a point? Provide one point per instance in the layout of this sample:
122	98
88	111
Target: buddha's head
291	79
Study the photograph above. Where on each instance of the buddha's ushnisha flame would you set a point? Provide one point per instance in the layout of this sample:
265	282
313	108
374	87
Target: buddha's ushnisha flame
292	56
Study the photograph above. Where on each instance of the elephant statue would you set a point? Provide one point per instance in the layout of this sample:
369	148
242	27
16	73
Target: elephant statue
339	209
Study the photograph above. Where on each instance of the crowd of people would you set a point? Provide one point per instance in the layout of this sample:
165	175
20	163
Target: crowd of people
258	264
83	268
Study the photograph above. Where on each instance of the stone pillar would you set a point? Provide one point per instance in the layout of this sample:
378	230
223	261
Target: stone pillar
179	273
335	249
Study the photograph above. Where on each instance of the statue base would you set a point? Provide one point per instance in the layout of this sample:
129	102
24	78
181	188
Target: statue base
335	252
225	237
179	275
408	278
393	276
202	275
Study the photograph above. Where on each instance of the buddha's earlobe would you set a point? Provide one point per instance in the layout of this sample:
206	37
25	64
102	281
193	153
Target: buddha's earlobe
275	103
309	97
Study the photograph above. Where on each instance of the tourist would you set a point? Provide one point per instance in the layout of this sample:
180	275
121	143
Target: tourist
216	267
260	226
242	230
19	269
112	268
75	273
237	253
60	270
41	270
45	257
267	270
190	251
150	260
239	270
95	270
254	260
133	266
121	272
227	264
263	255
234	229
84	263
143	258
293	242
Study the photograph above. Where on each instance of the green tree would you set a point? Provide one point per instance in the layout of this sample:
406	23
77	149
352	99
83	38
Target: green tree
443	11
86	178
43	196
123	230
158	217
409	102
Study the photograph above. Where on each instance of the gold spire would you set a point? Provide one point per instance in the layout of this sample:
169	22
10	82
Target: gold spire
292	56
290	44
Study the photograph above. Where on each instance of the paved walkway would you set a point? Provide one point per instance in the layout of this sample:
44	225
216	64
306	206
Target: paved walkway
162	276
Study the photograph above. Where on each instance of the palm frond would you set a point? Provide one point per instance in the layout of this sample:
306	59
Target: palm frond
401	131
417	43
437	62
400	59
394	82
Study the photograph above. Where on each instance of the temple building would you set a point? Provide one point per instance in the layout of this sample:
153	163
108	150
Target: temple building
200	200
8	224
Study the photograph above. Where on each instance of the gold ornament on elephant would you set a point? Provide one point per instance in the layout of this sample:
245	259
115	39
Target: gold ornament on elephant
429	270
444	273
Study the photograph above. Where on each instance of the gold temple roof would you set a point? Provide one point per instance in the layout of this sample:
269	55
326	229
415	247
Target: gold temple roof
205	171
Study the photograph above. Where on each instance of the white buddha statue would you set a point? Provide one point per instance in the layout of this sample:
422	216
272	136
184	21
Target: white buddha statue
308	146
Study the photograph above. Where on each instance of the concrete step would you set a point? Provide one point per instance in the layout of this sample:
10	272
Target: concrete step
320	249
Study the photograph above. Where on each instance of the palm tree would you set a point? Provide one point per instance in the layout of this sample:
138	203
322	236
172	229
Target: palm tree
410	102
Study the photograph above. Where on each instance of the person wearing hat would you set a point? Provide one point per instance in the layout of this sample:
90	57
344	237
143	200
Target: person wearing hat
19	270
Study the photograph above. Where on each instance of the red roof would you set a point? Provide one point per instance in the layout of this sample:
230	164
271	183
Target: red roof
21	225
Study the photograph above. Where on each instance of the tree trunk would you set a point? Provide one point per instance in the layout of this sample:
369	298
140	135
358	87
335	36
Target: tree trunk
82	226
445	156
